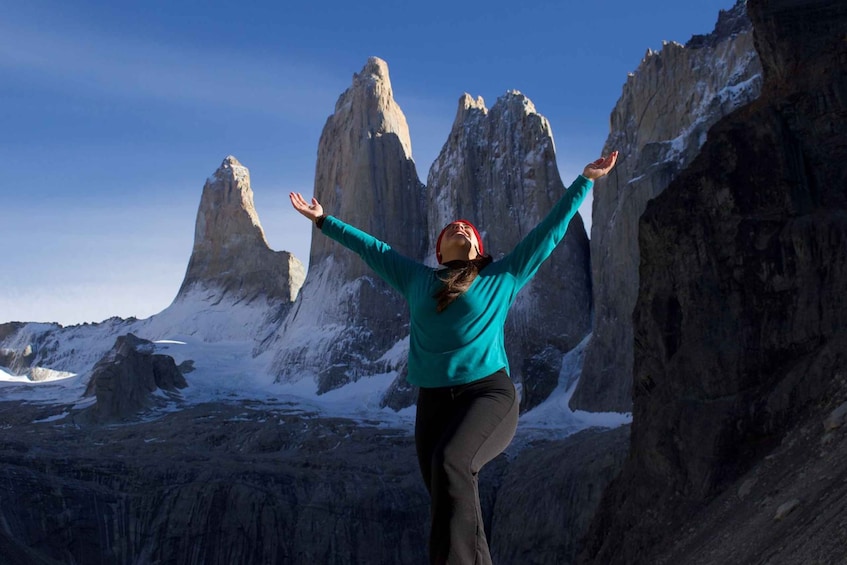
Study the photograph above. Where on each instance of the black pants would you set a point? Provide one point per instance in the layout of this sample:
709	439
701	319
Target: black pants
457	431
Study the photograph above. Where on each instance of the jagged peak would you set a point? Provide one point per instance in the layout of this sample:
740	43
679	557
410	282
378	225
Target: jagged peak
654	55
375	68
230	176
516	99
730	23
373	78
230	169
367	108
467	105
510	107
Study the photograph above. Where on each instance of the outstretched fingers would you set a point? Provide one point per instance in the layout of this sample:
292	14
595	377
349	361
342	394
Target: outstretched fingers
297	201
311	210
608	161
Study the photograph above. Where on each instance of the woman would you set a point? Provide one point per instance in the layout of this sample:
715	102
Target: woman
467	410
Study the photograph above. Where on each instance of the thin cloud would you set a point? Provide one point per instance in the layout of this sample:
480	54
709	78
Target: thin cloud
130	67
75	303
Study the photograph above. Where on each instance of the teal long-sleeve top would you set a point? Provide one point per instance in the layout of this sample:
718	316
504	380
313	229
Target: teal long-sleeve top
464	342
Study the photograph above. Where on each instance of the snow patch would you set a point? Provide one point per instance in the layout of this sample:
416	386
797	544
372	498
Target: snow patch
554	416
397	354
51	418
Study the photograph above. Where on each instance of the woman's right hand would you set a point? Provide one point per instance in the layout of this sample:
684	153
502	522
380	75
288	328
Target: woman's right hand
312	210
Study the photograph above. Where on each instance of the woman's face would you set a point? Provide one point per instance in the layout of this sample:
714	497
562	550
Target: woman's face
460	236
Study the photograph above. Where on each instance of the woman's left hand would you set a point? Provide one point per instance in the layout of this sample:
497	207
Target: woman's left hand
600	167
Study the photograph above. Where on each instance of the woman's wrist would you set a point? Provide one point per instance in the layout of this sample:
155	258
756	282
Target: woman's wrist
319	221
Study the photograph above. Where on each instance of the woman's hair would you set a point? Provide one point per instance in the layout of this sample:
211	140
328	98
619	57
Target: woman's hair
457	280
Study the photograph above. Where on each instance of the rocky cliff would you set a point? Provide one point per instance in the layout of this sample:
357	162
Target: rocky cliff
659	124
126	379
739	452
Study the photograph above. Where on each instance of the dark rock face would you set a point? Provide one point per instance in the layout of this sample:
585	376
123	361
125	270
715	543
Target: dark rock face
730	23
787	509
9	328
214	484
400	393
18	358
740	336
550	493
124	380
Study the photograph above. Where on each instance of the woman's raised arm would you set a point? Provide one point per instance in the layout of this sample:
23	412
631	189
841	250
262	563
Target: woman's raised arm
393	268
538	244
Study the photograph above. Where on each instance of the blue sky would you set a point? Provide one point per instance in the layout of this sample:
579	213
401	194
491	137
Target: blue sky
113	114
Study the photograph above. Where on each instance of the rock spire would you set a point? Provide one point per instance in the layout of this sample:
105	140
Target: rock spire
346	317
498	169
231	257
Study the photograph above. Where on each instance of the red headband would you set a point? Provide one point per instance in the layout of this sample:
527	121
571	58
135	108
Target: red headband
441	235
